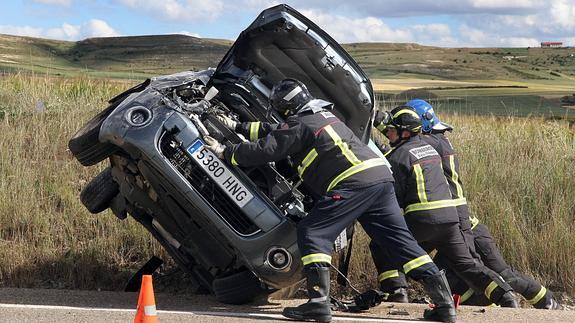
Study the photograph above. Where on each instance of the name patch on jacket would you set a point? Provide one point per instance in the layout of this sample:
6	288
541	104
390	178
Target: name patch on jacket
327	114
424	151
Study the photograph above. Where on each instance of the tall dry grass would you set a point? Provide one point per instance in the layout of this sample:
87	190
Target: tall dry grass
47	238
518	174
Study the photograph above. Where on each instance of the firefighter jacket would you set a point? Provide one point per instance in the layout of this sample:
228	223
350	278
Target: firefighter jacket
324	151
420	186
450	163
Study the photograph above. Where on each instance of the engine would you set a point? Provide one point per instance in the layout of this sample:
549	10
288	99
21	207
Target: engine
277	180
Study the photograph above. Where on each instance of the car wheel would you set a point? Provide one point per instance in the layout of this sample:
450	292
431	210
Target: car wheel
85	144
98	194
238	288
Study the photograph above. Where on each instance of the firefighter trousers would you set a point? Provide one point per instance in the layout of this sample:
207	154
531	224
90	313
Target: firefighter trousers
536	294
448	240
376	209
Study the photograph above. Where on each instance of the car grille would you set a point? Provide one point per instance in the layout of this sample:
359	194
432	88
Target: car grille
206	187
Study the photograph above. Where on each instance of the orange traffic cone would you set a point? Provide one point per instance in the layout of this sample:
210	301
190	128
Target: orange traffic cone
146	312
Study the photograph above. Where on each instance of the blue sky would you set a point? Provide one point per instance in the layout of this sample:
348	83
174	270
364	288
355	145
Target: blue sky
447	23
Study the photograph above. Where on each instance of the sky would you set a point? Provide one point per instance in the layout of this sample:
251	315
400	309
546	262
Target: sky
445	23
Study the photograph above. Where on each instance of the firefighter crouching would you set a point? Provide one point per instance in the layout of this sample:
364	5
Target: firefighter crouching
353	184
430	212
477	235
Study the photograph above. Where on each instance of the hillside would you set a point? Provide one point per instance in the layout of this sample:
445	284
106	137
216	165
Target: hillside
118	57
140	56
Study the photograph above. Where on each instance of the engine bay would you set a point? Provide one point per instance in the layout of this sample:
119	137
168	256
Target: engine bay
202	104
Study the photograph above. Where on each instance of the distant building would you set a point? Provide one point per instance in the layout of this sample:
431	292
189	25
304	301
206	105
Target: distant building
551	44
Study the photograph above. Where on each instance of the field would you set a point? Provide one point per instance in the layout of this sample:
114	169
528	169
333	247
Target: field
518	174
517	149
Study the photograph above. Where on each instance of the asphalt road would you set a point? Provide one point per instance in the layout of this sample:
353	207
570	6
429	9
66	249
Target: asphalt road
42	305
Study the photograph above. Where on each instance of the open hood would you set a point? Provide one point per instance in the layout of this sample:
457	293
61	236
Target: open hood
282	43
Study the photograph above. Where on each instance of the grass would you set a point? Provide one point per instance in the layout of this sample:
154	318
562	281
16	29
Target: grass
518	174
47	238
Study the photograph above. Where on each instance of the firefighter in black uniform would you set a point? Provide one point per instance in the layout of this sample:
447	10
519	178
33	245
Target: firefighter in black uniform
423	193
352	182
477	234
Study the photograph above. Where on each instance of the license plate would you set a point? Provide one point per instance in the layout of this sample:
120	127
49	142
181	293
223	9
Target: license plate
220	173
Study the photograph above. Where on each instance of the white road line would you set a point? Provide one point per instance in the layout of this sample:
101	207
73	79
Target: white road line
196	313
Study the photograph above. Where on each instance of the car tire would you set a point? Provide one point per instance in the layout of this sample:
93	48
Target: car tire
98	194
85	144
238	288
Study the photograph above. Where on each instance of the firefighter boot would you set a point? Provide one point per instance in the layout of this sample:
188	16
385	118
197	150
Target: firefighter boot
548	302
437	288
508	300
318	307
398	295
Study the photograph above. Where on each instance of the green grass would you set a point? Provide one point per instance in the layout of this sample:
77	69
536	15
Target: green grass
518	173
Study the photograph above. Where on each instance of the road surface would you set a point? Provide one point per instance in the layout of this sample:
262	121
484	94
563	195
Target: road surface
44	305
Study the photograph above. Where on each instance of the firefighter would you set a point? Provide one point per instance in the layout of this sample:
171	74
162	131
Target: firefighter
423	193
351	182
481	240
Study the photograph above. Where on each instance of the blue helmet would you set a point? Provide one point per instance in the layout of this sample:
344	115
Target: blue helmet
430	121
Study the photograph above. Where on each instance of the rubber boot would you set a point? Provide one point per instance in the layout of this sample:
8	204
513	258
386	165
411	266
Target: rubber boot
508	300
317	307
437	288
398	295
548	302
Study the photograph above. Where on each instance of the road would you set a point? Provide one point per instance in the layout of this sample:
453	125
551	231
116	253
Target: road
43	305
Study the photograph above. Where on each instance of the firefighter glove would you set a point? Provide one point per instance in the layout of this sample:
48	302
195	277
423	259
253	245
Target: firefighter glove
227	121
213	145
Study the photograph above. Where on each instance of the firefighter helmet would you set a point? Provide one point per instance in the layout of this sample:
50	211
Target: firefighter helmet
430	121
288	96
401	118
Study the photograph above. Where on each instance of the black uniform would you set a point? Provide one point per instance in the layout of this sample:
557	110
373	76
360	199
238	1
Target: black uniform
351	180
479	238
430	212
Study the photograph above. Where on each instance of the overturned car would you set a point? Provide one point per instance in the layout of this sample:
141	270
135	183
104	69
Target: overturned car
231	228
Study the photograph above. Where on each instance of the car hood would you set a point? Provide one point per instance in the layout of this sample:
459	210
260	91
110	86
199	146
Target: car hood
282	43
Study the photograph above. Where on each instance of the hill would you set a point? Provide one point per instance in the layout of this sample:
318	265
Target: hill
140	56
117	57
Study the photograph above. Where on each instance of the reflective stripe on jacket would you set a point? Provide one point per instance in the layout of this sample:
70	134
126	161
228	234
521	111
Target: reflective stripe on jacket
421	188
324	151
450	164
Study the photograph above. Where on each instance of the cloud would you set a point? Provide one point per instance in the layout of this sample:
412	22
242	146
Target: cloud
55	2
187	33
178	10
92	28
369	29
372	29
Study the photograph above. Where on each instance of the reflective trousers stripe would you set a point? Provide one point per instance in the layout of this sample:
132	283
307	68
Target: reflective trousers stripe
309	158
342	145
387	274
356	169
468	293
474	221
538	297
429	205
489	289
455	177
254	130
416	263
316	257
420	181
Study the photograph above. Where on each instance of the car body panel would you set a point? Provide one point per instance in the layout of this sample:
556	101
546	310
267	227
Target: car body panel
282	43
